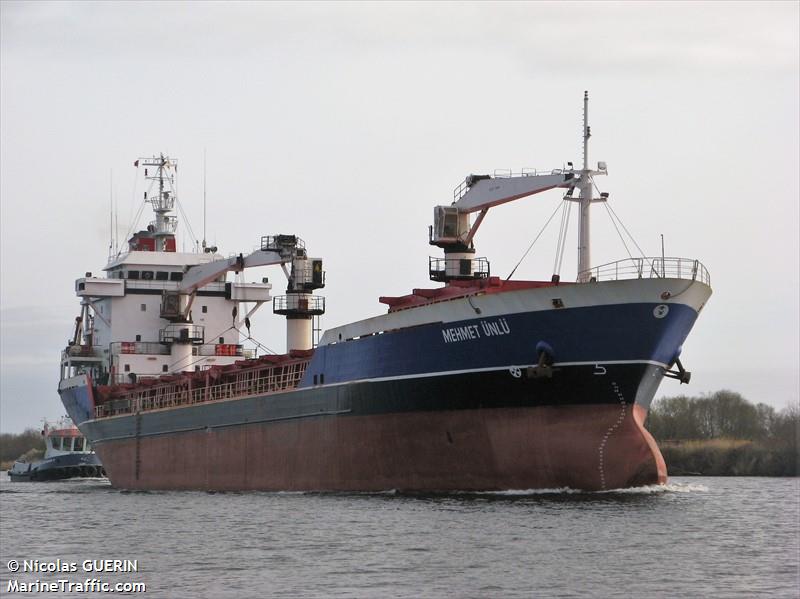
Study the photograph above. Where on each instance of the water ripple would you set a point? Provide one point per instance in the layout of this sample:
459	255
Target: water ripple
721	537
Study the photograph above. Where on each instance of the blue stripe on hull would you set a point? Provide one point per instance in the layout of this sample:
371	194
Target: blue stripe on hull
623	332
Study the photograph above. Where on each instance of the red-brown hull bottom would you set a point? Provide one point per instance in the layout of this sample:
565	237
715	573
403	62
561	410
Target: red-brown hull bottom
580	447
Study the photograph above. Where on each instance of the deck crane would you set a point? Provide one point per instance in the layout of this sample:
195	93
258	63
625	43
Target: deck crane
454	233
298	305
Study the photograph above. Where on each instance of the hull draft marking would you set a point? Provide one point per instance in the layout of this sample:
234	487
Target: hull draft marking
602	449
138	435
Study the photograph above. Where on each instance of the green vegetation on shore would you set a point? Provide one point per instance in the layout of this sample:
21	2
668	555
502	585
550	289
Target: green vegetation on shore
28	445
723	434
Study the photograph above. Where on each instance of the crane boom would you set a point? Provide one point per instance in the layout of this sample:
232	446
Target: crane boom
452	229
202	274
485	192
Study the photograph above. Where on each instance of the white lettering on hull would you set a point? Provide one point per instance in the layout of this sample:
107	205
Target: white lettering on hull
486	328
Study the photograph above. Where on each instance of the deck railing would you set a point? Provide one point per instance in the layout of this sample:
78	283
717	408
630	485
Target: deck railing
649	268
139	347
160	349
445	269
256	381
82	351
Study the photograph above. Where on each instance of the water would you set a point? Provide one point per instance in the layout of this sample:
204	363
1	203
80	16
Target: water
697	537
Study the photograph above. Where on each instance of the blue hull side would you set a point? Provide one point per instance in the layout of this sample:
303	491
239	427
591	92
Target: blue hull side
78	401
610	333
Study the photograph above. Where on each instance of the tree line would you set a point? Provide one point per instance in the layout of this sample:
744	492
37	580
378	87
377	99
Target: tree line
724	434
13	446
721	415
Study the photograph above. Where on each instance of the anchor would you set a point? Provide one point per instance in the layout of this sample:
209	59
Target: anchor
544	368
683	375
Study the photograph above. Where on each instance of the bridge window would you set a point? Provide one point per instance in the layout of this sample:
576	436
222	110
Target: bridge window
161	275
133	274
78	444
176	276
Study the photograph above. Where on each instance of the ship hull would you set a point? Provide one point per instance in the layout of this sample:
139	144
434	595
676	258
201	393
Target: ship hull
485	431
468	450
447	397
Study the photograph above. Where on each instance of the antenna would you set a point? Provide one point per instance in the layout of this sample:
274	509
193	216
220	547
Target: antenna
586	131
111	209
204	199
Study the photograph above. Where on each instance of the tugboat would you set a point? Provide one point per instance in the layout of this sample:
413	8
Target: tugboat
480	384
67	455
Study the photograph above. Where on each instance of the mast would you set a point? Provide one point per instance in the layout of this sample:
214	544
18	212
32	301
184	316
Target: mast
163	228
586	198
584	222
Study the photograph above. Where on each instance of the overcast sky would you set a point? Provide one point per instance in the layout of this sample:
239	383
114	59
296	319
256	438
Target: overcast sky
346	124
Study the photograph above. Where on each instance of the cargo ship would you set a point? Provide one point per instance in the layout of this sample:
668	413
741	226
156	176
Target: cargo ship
479	383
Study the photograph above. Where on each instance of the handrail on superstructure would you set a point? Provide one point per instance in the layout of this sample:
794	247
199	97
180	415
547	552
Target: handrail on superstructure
648	268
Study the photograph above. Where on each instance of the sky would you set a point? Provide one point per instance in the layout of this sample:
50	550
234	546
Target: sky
346	123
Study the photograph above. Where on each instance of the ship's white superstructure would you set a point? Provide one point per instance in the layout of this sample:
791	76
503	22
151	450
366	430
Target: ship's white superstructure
158	312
